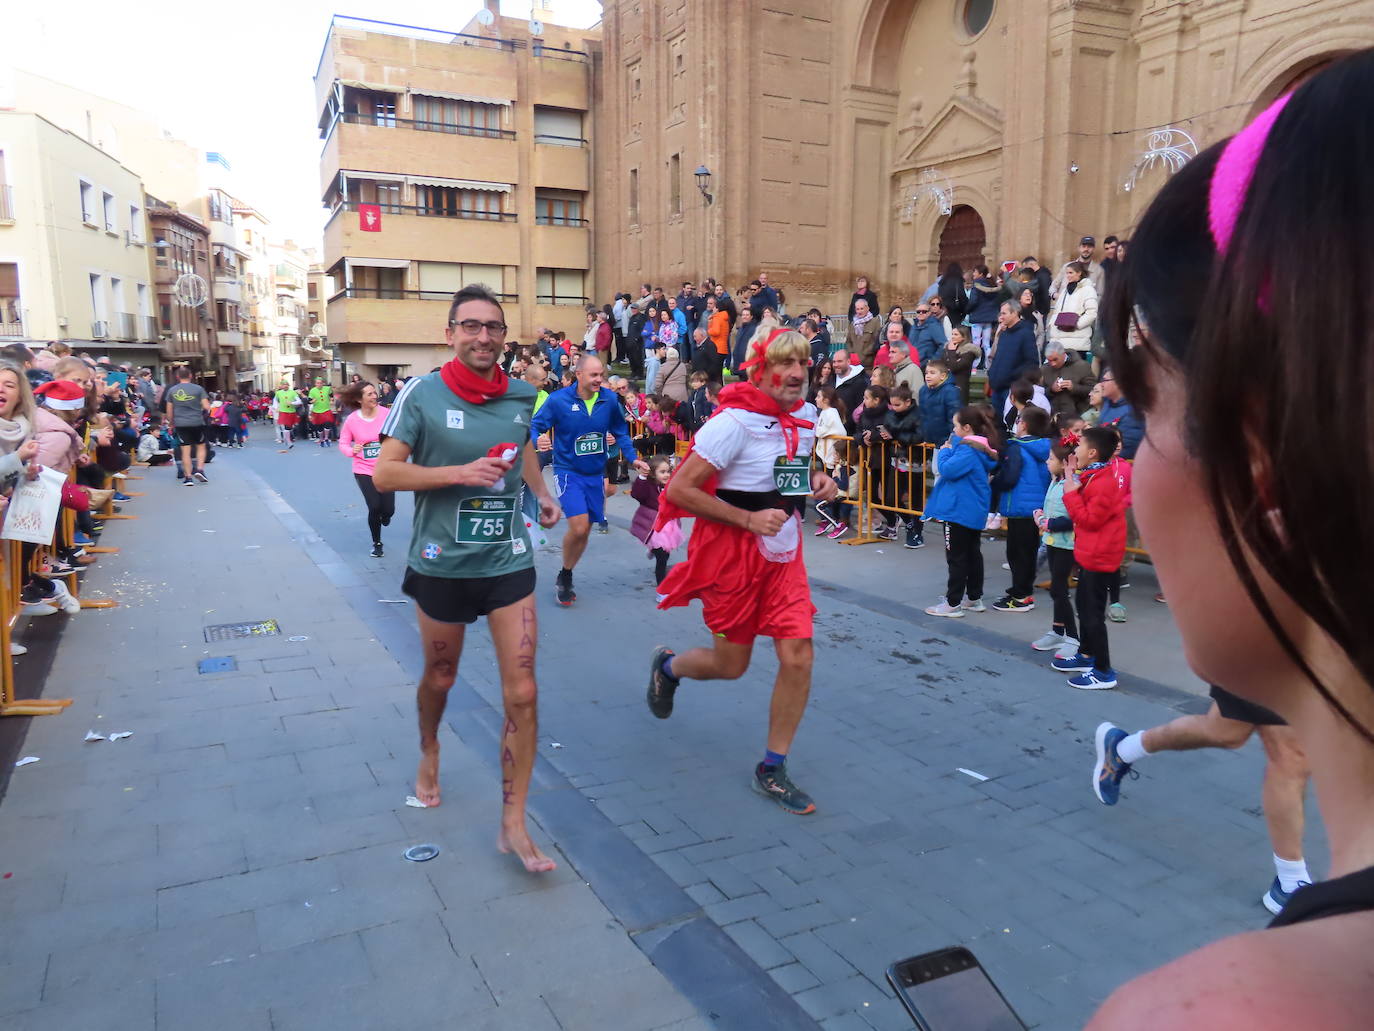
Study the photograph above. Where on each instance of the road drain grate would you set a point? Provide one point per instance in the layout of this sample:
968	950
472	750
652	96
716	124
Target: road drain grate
235	631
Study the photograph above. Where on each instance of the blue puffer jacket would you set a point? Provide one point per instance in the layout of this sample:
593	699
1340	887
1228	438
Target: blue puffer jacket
937	410
1029	492
926	339
961	495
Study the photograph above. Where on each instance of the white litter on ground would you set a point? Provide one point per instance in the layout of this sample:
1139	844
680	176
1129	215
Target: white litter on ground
970	773
26	760
415	803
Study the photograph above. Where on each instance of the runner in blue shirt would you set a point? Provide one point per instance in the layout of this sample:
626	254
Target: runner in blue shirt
583	418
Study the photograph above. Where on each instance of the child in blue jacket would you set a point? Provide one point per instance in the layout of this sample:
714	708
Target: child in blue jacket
1057	530
960	499
938	400
1020	504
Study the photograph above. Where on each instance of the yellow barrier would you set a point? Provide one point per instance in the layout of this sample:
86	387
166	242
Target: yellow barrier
889	475
12	555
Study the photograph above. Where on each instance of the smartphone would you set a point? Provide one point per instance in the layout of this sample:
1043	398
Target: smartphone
947	990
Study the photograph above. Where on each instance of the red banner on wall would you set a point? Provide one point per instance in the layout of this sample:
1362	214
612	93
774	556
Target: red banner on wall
370	218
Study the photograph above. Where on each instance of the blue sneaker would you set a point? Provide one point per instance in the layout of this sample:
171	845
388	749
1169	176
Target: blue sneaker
1077	663
122	497
81	540
1276	898
1110	770
1094	680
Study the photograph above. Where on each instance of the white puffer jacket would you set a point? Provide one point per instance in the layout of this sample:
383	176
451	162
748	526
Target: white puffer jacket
1083	303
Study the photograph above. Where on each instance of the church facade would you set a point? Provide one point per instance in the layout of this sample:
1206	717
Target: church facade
888	137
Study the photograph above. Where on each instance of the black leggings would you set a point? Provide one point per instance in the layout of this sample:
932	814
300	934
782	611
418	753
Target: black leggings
963	552
1092	594
380	506
1061	568
1023	540
660	564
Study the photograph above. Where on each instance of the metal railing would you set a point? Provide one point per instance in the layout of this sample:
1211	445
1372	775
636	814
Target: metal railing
386	293
559	220
6	202
384	121
431	212
553	140
560	299
12	329
579	56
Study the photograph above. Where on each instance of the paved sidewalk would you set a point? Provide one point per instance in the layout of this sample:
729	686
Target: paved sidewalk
906	853
236	863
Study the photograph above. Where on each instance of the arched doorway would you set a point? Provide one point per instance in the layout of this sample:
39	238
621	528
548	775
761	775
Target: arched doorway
963	239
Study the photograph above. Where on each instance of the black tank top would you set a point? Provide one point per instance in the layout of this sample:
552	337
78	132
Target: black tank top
1353	893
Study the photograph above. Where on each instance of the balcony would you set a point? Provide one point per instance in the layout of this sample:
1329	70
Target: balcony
561	78
561	163
563	243
371	315
422	234
403	151
6	204
11	317
244	361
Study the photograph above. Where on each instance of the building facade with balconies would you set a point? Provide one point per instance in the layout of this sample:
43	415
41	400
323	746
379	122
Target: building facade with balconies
182	274
74	260
450	159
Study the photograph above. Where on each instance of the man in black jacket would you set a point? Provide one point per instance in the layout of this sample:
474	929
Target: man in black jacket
850	383
634	342
1016	355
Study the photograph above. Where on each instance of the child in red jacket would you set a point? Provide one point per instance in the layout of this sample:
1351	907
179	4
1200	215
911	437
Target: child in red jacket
1096	500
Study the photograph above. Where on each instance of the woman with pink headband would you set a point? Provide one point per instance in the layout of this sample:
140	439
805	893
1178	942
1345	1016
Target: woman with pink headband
1253	490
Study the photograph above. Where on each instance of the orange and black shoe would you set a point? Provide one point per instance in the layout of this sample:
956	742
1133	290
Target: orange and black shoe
564	593
773	782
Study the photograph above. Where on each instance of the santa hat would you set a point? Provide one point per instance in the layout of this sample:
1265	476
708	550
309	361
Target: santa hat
63	395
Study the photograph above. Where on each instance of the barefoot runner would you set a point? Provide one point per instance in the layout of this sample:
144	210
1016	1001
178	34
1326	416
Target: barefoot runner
746	480
469	553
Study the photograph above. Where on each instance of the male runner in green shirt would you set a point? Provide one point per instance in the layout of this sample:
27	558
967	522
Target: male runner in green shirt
287	399
470	555
321	410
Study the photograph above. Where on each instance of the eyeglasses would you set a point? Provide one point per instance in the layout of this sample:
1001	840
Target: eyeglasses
475	326
922	311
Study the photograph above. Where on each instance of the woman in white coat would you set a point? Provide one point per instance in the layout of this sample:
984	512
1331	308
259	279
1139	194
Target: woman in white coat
1075	311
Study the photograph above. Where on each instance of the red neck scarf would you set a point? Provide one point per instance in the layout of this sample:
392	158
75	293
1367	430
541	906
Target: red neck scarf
470	386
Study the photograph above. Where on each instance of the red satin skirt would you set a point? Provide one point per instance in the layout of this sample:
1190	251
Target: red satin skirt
744	594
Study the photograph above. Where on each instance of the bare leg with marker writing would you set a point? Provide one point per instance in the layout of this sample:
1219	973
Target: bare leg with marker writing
514	632
443	644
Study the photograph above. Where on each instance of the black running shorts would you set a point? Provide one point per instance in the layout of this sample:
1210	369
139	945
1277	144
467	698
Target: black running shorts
191	435
1233	707
446	600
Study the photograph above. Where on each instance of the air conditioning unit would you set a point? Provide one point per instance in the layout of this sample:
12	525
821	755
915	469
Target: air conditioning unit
100	330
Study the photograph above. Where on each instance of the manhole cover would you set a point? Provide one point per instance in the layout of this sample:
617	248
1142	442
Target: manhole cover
222	664
234	631
421	853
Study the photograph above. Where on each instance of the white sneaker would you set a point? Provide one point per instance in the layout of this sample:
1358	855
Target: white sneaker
944	608
1051	642
36	608
64	599
1068	649
17	649
974	606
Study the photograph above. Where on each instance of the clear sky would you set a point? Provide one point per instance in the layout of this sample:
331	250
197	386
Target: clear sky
246	90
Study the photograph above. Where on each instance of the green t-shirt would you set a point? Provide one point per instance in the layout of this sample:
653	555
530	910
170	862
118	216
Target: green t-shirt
287	400
319	399
464	532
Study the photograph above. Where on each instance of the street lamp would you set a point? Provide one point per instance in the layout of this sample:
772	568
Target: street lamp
703	175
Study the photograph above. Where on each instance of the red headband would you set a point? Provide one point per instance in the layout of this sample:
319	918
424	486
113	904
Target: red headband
760	348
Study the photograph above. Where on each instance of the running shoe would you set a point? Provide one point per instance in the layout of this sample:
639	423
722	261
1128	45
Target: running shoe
1094	680
1050	642
914	540
974	605
603	528
1116	612
377	550
201	476
82	540
186	481
839	531
122	497
1276	898
823	528
773	782
1068	649
1110	769
17	649
661	686
1160	598
944	608
1010	604
563	592
887	532
1075	663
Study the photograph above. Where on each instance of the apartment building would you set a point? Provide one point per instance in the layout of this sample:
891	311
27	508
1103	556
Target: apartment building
449	159
74	261
180	244
302	358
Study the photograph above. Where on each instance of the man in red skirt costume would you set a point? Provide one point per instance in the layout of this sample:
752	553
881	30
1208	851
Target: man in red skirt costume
746	481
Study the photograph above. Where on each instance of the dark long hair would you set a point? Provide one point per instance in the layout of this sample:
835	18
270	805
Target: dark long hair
983	422
1242	328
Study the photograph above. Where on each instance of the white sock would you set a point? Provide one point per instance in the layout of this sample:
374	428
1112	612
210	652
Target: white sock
1291	873
1132	749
